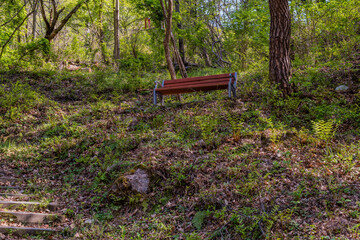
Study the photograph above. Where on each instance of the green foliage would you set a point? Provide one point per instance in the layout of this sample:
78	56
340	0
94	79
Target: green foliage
199	218
19	98
325	130
208	125
236	126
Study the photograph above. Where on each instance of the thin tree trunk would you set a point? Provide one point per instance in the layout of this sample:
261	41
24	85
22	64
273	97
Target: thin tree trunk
168	20
101	33
34	23
116	33
205	56
280	30
181	40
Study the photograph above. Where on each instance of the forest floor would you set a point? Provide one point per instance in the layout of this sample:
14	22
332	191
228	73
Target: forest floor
255	167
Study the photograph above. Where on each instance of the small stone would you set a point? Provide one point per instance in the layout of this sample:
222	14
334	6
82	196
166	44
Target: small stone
78	235
341	88
2	236
201	143
89	221
139	181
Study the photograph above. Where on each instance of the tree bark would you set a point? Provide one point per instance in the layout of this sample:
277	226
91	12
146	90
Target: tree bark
116	33
34	23
101	35
168	21
51	23
181	40
279	52
205	56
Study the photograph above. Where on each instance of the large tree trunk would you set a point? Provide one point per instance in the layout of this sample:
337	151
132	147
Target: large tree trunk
116	33
280	29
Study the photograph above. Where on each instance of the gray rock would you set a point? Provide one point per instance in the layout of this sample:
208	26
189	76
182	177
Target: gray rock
341	88
89	221
139	181
133	181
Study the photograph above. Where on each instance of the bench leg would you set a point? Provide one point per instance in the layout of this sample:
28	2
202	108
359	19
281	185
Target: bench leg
229	89
155	97
233	89
161	98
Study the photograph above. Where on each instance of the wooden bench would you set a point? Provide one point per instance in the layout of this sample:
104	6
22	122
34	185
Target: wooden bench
196	84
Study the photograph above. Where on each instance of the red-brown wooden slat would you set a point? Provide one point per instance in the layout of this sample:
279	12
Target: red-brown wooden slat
194	89
196	79
197	86
181	85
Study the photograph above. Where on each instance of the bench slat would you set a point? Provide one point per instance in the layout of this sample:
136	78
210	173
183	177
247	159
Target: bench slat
194	89
193	79
202	83
196	84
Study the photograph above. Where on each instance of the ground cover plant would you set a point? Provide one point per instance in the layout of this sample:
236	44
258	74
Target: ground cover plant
78	126
256	167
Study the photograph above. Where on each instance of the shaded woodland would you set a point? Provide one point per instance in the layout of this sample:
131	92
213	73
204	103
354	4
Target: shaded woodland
279	161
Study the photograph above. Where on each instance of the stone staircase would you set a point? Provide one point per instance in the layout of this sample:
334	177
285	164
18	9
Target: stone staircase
22	214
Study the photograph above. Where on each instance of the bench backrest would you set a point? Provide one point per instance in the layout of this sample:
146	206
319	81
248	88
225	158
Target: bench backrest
200	80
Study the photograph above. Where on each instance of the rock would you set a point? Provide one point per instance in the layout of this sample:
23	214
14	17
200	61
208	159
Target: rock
137	182
89	221
341	88
201	143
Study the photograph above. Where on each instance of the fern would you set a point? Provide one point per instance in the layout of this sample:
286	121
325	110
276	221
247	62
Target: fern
236	126
198	219
325	130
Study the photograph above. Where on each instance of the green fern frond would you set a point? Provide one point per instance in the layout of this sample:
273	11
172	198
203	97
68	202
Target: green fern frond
325	130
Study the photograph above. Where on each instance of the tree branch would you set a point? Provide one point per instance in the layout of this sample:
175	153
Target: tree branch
16	29
66	19
14	15
44	15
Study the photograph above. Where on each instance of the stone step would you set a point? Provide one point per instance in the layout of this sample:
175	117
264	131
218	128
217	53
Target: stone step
17	196
25	230
29	206
10	187
9	180
29	217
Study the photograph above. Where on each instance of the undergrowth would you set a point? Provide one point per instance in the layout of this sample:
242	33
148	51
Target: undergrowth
256	167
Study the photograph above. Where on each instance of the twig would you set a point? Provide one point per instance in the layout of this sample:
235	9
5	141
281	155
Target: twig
14	15
11	36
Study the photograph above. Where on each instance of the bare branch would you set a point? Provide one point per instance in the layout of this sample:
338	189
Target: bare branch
44	15
14	15
13	33
66	19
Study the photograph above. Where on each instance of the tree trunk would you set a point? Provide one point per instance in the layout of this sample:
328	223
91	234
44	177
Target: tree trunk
51	23
280	29
34	23
101	33
168	21
116	33
205	56
181	40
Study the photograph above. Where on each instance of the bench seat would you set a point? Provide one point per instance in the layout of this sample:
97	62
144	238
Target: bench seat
196	84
